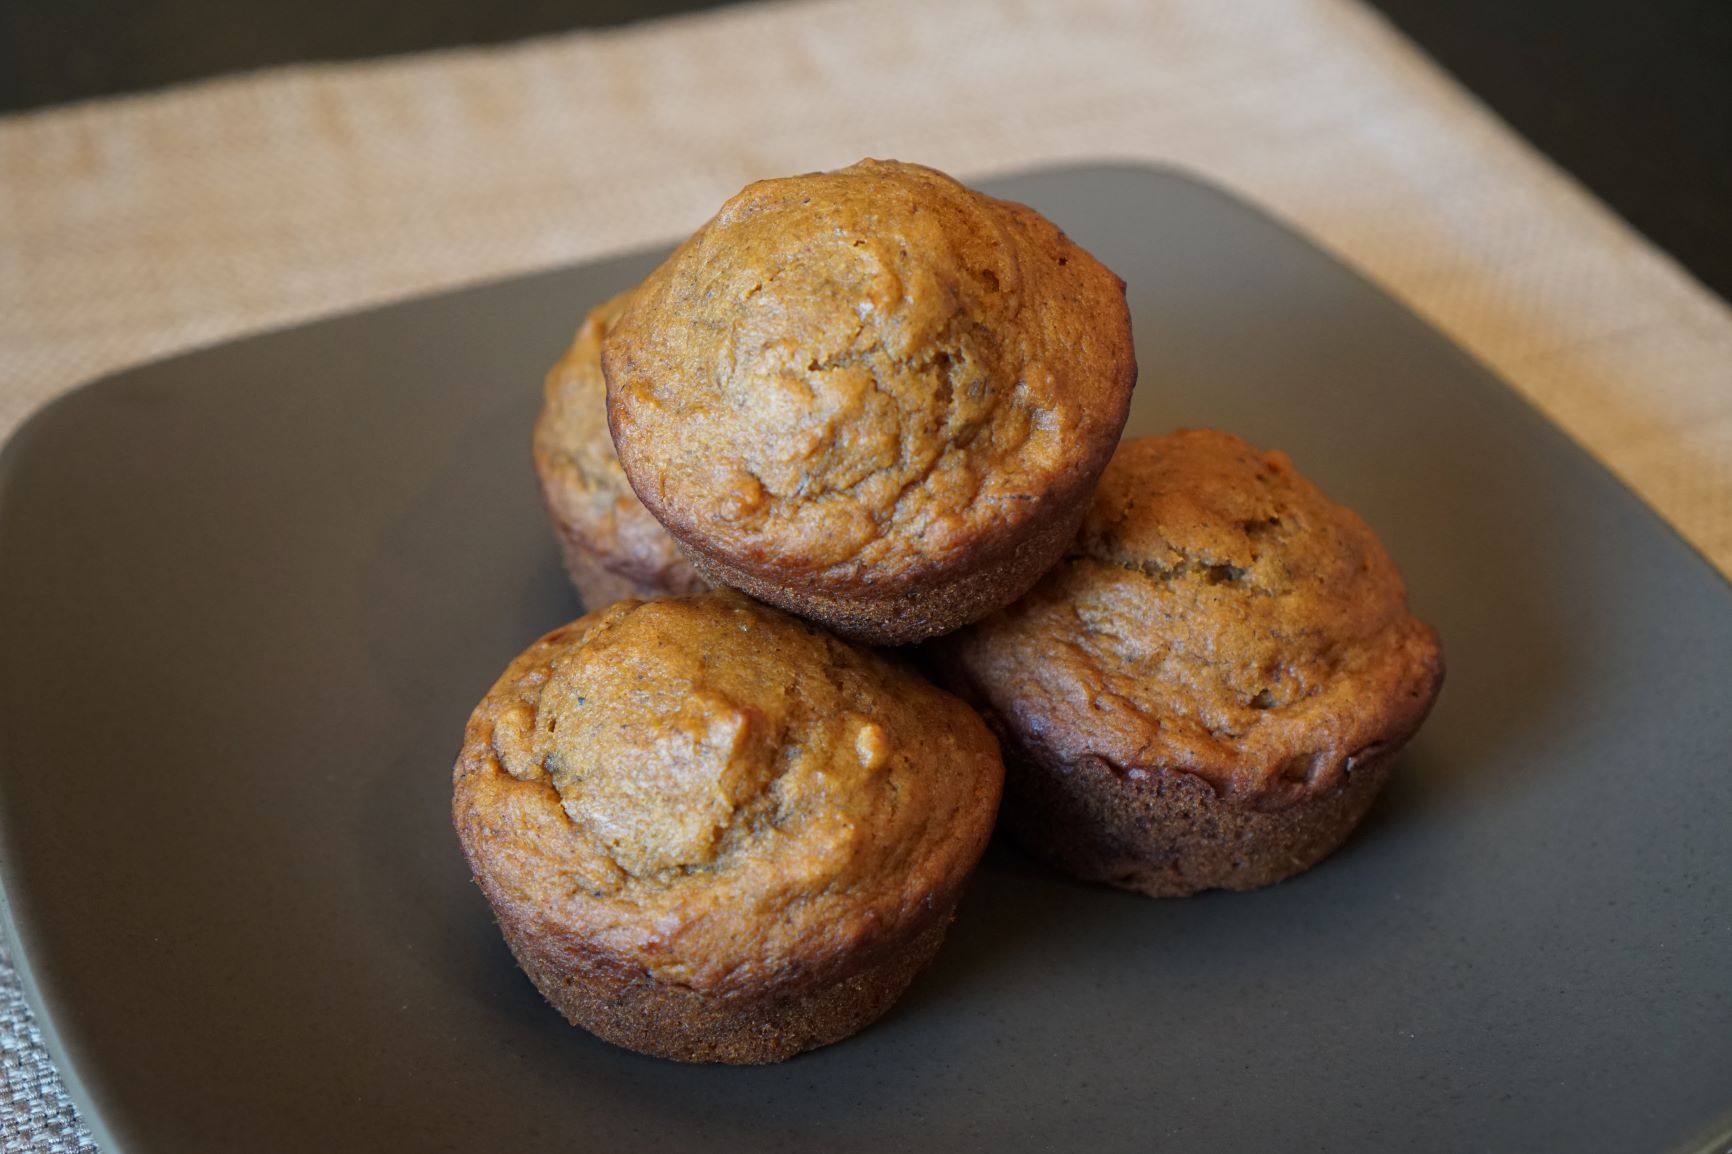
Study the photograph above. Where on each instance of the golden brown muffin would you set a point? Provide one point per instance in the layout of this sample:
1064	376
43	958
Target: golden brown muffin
1208	691
712	832
612	547
873	397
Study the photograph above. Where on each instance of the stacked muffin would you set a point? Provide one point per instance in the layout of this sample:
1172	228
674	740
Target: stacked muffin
716	827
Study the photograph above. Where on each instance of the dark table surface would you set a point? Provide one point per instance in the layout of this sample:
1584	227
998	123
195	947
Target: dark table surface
1632	97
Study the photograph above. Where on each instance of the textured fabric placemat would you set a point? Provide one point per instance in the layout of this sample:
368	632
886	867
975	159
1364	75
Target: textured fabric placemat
136	228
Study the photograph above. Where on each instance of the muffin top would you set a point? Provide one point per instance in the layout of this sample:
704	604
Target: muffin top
721	794
867	375
1218	616
585	489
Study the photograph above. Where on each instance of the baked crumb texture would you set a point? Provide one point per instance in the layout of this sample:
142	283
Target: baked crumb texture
873	397
611	545
1207	691
712	832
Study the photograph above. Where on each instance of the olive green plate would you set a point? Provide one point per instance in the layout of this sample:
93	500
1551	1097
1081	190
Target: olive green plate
248	597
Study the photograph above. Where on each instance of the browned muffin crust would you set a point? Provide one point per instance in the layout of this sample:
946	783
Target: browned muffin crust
712	832
1207	691
873	396
612	548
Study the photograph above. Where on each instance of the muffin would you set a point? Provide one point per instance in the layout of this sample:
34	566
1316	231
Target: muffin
872	397
1208	691
714	833
611	546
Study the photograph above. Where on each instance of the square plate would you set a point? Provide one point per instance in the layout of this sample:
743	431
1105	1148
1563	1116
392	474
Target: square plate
248	597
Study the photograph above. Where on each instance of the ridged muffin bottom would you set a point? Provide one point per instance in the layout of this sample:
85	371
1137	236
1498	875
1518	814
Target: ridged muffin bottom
663	1020
869	616
1172	834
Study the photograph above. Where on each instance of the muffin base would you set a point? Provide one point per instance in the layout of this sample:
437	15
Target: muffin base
1171	834
883	614
634	1010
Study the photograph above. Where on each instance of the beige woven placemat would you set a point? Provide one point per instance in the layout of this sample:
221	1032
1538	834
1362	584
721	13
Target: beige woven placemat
135	228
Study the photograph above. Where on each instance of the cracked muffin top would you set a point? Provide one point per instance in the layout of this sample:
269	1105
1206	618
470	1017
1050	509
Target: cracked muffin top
592	505
868	375
719	793
1218	616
